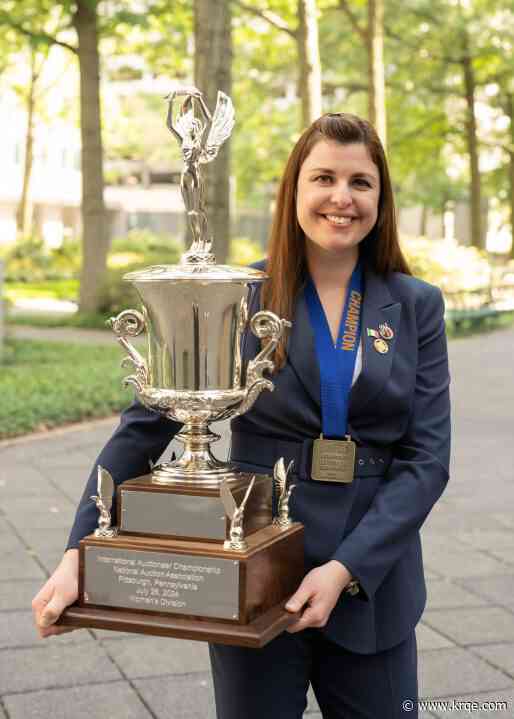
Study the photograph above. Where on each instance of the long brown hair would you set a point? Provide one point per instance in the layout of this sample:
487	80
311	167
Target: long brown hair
286	264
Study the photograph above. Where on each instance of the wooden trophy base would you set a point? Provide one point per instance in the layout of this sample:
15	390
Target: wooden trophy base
190	589
255	635
189	511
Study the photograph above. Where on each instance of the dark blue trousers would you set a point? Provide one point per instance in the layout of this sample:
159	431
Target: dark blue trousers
273	681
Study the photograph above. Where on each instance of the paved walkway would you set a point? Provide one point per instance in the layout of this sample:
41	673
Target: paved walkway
466	637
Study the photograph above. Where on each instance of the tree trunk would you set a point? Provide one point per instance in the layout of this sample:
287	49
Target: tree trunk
511	194
424	221
310	64
510	113
213	72
95	242
376	73
24	209
472	142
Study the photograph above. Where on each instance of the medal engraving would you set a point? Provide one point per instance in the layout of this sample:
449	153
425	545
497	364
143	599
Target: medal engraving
333	460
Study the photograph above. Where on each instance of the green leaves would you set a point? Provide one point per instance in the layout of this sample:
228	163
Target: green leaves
47	384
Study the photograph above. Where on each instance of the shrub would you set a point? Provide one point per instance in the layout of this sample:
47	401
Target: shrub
446	264
143	242
46	384
30	260
244	251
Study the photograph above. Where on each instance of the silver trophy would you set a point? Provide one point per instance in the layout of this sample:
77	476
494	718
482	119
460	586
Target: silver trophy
196	553
195	314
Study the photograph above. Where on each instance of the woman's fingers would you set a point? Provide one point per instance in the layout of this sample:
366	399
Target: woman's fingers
302	595
315	615
41	600
57	593
52	631
53	610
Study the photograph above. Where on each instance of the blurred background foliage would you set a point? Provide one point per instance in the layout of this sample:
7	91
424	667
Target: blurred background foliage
445	116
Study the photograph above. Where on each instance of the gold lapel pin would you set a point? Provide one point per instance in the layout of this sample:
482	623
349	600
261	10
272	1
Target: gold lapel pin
381	346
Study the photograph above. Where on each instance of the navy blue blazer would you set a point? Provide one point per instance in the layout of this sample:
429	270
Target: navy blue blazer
399	401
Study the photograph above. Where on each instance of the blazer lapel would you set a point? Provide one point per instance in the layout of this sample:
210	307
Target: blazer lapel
301	351
378	307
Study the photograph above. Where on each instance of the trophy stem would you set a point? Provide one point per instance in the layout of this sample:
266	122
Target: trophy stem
197	465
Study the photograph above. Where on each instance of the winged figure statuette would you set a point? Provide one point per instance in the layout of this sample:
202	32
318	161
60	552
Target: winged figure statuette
236	539
200	138
103	501
283	492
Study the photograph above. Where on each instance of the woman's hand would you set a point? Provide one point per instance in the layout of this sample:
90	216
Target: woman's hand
319	590
59	592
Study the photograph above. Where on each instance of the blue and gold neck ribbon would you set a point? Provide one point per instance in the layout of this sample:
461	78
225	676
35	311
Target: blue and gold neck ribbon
336	362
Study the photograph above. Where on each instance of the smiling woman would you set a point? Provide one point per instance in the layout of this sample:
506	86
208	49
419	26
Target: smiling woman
361	406
337	200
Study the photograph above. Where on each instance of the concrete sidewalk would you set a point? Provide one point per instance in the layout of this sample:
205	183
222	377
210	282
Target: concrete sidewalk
466	637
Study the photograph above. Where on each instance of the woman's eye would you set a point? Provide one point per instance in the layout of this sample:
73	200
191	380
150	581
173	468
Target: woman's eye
362	182
324	178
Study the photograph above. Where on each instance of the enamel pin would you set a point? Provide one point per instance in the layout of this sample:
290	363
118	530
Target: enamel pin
380	336
385	331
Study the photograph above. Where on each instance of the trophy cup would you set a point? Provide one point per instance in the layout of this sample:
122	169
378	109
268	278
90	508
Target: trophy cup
196	553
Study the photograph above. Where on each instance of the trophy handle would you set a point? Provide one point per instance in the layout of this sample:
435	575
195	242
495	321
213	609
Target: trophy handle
131	323
264	324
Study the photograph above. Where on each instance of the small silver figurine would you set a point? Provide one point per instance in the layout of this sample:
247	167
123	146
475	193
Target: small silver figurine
280	474
236	539
200	140
103	501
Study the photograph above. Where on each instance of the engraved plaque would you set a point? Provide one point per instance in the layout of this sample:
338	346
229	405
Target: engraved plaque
162	582
172	514
333	460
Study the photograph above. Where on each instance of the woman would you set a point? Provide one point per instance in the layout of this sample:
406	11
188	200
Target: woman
366	366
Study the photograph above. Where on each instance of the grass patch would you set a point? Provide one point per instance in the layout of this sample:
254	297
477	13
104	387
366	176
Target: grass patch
50	319
48	289
47	384
468	328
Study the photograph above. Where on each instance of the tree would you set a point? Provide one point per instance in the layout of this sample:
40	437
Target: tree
310	64
213	72
95	241
446	61
303	30
24	209
20	16
372	36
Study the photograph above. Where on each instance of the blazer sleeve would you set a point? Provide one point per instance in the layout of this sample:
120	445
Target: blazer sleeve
141	436
420	468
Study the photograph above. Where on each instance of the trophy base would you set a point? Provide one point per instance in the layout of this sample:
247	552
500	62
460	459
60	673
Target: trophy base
190	589
190	511
254	635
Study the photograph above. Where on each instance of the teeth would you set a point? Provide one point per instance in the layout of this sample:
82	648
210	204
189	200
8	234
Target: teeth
339	220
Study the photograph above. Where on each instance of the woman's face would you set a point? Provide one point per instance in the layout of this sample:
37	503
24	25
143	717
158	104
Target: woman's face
337	196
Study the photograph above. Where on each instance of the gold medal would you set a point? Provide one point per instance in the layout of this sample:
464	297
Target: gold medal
333	460
381	346
385	331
